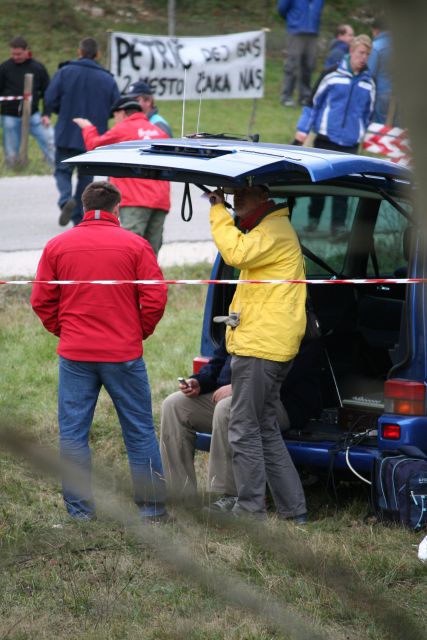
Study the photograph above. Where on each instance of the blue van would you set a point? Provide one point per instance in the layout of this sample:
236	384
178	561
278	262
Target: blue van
372	375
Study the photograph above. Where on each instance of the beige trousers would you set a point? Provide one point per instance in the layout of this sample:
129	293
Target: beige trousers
181	418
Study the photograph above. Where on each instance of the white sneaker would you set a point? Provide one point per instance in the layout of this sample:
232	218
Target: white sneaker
224	504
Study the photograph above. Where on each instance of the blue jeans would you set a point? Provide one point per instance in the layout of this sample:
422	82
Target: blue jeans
12	137
127	385
63	176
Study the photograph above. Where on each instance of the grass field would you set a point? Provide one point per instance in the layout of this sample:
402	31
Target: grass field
341	577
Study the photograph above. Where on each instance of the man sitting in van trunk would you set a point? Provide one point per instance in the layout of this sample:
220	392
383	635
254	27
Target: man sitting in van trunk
203	404
263	344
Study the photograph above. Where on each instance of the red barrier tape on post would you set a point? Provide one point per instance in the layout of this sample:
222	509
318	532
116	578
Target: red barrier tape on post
157	282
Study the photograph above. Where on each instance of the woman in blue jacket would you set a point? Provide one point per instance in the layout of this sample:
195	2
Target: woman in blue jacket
339	113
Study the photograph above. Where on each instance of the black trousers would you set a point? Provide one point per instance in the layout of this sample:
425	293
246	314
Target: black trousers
339	203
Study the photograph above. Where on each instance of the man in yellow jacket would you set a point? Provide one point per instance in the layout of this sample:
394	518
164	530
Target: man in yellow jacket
271	325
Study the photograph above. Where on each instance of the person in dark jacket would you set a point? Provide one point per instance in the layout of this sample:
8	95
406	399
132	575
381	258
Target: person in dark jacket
203	404
12	74
339	113
80	88
340	46
302	26
380	67
100	330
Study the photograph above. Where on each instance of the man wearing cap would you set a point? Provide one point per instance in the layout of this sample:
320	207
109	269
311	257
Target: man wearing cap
263	344
141	91
81	88
145	203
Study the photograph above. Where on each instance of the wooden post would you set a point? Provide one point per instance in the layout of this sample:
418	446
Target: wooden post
171	17
26	114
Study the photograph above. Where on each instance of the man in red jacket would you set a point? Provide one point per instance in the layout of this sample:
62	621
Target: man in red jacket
145	203
100	330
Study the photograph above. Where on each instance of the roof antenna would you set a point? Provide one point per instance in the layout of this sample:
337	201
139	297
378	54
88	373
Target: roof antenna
200	110
186	66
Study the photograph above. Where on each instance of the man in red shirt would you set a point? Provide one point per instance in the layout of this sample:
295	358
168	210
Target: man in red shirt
145	203
100	330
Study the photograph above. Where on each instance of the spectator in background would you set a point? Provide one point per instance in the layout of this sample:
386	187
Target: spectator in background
339	113
302	25
12	74
80	88
142	93
379	66
340	46
145	203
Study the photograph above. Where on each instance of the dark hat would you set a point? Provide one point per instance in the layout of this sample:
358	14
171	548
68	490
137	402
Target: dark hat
139	88
125	102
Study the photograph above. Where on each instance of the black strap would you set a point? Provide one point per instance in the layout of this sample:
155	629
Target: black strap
314	258
186	198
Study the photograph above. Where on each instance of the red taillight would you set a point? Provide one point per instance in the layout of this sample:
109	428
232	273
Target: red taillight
404	397
199	362
391	431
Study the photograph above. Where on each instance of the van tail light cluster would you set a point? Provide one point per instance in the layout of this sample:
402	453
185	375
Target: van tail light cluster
390	431
404	397
199	362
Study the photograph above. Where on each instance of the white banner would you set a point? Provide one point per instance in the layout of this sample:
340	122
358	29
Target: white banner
224	66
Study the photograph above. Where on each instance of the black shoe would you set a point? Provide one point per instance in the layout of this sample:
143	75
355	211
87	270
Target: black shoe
311	227
301	519
66	212
164	518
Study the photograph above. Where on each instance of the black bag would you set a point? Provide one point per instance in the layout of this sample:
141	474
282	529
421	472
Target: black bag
399	488
312	330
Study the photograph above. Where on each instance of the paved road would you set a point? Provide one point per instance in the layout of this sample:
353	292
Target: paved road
29	214
29	218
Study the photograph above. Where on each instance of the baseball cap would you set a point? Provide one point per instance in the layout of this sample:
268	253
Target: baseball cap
125	102
139	88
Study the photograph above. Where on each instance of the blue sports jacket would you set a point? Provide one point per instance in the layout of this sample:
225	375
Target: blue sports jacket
80	89
341	105
302	16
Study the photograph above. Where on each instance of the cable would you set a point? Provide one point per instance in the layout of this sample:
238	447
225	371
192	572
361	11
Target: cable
347	459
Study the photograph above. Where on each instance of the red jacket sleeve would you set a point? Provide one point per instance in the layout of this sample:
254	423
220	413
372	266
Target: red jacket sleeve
45	297
92	139
152	297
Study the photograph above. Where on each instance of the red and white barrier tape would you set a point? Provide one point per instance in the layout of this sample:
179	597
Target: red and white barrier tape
156	282
7	98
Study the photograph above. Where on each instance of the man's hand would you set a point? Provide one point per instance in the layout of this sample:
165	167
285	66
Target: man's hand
45	120
192	389
301	136
216	197
221	393
82	122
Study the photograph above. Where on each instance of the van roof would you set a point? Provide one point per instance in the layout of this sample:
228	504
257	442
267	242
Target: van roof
231	163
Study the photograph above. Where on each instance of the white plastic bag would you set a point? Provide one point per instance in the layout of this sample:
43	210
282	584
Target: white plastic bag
422	550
